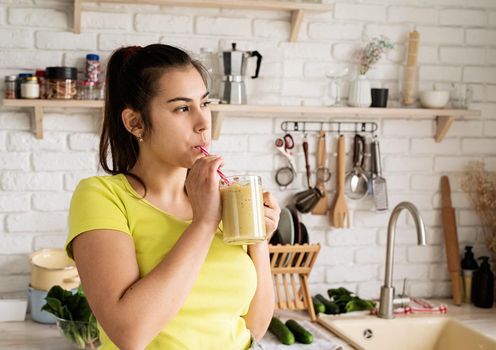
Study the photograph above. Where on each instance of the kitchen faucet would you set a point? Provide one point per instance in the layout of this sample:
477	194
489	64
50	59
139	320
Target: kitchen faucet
387	290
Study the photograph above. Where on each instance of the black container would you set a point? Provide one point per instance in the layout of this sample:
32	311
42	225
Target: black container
379	97
469	266
468	261
483	285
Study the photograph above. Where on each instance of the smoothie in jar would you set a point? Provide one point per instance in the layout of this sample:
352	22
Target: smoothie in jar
243	210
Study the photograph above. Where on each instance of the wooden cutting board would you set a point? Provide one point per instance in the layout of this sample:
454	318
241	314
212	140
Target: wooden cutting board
451	241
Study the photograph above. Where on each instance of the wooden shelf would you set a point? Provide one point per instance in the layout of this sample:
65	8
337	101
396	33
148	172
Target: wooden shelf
444	117
39	106
297	9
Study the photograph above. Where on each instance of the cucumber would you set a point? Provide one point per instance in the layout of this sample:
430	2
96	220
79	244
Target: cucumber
281	331
318	306
331	308
300	333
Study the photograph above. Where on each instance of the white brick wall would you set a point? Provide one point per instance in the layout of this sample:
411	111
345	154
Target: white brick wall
37	177
37	17
422	15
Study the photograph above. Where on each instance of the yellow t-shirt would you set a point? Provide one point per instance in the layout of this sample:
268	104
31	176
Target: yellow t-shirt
210	318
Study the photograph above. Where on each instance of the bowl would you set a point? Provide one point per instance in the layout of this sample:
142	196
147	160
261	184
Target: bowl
82	335
36	302
434	98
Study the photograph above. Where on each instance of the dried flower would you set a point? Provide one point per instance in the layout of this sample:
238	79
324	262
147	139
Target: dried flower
372	52
481	187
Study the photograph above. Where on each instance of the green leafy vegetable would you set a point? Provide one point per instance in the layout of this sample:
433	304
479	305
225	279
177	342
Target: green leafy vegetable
357	304
348	301
76	320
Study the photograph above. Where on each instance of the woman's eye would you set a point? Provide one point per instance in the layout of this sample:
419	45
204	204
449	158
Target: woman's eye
206	103
182	109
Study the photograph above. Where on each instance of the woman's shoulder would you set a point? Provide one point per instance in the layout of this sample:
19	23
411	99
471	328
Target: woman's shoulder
108	185
102	181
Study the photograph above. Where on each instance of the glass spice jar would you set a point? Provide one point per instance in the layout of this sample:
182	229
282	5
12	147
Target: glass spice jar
40	74
30	88
92	68
90	91
61	82
10	87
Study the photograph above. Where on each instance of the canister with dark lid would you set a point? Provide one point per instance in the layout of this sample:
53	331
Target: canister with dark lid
61	82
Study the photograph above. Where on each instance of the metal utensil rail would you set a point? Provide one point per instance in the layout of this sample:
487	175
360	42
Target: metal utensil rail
338	127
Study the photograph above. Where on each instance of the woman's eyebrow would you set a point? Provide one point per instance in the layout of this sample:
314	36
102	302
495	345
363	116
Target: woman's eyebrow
186	99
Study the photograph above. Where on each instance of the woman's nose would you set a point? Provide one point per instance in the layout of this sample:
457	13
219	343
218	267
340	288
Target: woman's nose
203	121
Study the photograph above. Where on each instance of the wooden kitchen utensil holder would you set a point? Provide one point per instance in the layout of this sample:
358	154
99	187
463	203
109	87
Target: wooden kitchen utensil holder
290	266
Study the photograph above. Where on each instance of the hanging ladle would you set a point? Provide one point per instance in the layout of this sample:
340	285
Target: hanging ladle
356	182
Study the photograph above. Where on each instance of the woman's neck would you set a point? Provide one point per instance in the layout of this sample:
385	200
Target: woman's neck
162	182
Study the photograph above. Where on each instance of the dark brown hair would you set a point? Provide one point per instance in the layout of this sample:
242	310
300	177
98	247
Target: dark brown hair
131	82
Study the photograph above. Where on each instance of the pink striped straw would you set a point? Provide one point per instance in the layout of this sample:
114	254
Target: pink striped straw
221	174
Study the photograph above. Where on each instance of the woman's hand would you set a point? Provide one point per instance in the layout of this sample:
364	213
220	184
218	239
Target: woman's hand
203	191
271	211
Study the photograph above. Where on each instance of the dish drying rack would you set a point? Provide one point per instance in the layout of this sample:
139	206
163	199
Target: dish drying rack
290	266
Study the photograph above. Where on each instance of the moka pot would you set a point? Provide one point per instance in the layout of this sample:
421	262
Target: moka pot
234	62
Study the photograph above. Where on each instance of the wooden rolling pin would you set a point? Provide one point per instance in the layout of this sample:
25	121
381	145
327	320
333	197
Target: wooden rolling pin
410	74
451	241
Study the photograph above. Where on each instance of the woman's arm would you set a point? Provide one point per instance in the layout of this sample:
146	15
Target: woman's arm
132	310
262	305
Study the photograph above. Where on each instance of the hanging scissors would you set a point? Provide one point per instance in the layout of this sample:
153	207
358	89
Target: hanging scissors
285	175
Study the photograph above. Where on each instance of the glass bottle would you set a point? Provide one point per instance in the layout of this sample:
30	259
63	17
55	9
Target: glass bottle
10	87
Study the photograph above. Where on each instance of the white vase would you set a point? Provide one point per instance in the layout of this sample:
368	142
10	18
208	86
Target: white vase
359	95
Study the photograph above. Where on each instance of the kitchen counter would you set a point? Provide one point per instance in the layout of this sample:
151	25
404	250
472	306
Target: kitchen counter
29	335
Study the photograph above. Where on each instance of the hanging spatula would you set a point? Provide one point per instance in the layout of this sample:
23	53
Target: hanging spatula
379	188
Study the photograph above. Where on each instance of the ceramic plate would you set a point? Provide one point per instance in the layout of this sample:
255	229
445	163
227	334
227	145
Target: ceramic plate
286	227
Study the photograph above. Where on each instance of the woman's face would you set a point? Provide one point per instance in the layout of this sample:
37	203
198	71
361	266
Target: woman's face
180	118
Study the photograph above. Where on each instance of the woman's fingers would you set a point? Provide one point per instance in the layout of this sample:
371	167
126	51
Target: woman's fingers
271	213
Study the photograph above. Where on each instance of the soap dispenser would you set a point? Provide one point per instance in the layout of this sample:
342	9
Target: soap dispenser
483	285
469	266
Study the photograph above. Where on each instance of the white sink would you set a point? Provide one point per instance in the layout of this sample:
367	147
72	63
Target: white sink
413	332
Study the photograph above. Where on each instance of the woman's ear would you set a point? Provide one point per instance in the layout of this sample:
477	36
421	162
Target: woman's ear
132	122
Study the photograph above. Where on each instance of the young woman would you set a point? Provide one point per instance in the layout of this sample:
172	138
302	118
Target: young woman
146	238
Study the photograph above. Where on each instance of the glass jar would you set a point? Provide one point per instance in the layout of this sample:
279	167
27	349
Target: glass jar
89	91
10	87
40	74
61	82
30	88
92	68
20	78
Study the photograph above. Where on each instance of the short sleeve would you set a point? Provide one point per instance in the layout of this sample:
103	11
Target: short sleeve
95	205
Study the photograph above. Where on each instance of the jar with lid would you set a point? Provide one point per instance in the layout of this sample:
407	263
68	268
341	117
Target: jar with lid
61	82
10	87
30	88
92	68
20	78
